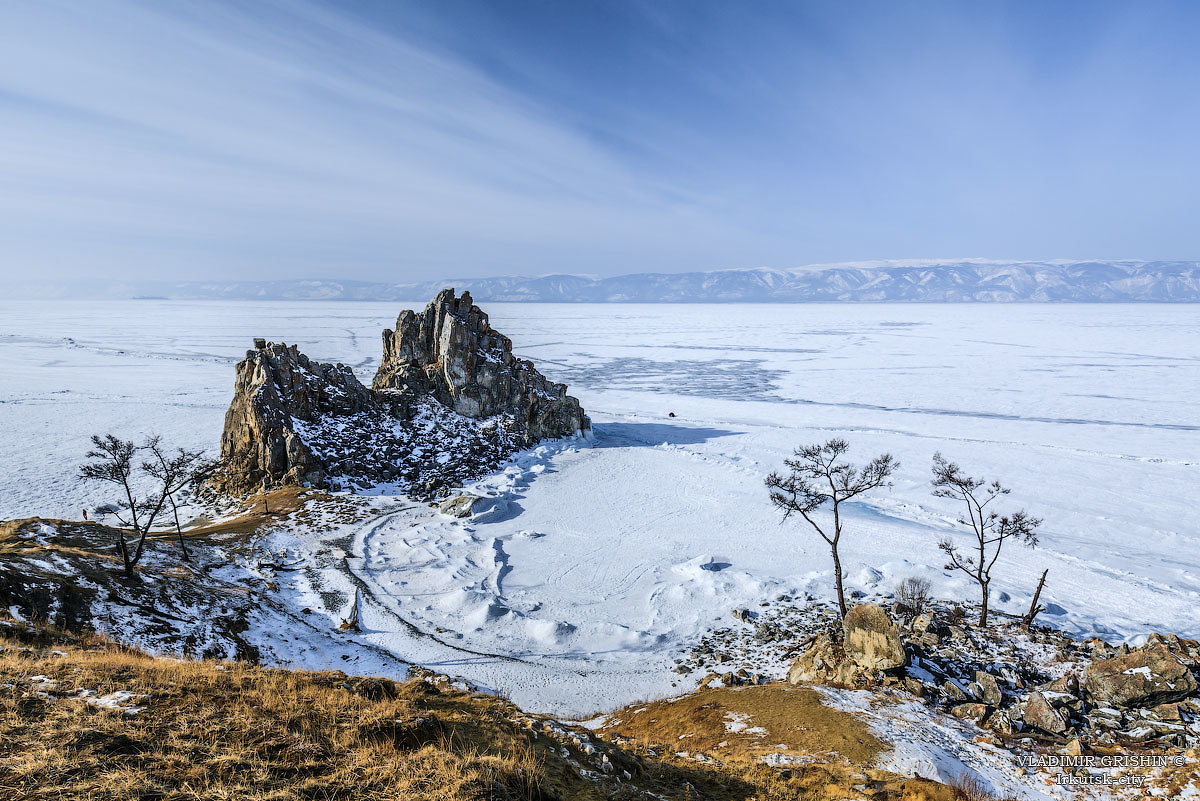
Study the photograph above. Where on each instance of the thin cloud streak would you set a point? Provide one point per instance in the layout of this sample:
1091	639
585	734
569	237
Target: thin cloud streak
409	140
203	140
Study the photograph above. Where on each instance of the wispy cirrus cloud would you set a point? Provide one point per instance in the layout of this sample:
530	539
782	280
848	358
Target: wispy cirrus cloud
291	139
413	140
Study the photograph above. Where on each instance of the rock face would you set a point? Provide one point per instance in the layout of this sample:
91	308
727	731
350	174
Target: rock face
450	402
451	352
276	388
1142	678
872	641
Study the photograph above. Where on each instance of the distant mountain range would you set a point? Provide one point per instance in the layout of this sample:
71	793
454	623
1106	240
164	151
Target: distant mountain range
925	281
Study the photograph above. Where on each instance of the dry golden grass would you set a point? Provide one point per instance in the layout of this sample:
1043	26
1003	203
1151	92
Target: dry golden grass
225	730
213	730
786	714
834	752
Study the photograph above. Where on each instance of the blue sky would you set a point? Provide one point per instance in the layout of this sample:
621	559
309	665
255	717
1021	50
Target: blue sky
387	140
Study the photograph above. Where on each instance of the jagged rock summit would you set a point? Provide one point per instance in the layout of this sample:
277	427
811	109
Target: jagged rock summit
449	402
451	352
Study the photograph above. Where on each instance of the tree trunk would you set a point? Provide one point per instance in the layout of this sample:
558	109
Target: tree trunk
837	581
123	549
133	516
1034	609
179	530
983	610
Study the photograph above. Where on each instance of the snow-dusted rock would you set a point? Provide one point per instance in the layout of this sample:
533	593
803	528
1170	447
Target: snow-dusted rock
276	386
451	352
1142	678
986	688
870	644
1041	714
459	505
449	402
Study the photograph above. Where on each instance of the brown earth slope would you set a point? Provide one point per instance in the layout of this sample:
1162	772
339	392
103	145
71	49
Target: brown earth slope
84	718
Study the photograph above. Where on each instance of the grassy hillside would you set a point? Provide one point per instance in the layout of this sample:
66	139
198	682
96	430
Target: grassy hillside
81	717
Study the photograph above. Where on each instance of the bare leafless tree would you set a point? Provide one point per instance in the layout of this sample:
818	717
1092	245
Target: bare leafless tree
991	529
112	462
175	473
818	476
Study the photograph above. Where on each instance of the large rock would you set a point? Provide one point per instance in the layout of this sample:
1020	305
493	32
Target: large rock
451	352
986	688
450	403
824	662
871	640
1146	677
459	505
1041	714
870	644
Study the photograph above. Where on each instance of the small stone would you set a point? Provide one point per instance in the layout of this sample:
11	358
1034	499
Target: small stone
987	689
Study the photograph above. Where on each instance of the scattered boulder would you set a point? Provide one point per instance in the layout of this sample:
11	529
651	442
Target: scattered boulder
871	640
1041	715
1001	722
954	692
974	712
1171	712
1146	677
459	505
986	688
1068	685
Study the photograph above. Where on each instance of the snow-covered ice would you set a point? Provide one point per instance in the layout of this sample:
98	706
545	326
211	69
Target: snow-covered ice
600	559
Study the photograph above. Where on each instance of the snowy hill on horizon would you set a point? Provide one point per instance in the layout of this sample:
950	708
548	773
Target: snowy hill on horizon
923	281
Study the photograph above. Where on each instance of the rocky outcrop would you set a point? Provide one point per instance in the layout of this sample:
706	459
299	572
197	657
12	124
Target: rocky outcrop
451	352
450	402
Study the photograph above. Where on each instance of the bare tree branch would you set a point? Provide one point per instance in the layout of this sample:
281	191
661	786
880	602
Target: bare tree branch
991	529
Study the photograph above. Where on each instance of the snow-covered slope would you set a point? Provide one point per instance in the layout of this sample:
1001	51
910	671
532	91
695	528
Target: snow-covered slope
974	280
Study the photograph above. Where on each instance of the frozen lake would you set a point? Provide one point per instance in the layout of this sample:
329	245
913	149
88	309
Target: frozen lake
1088	412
